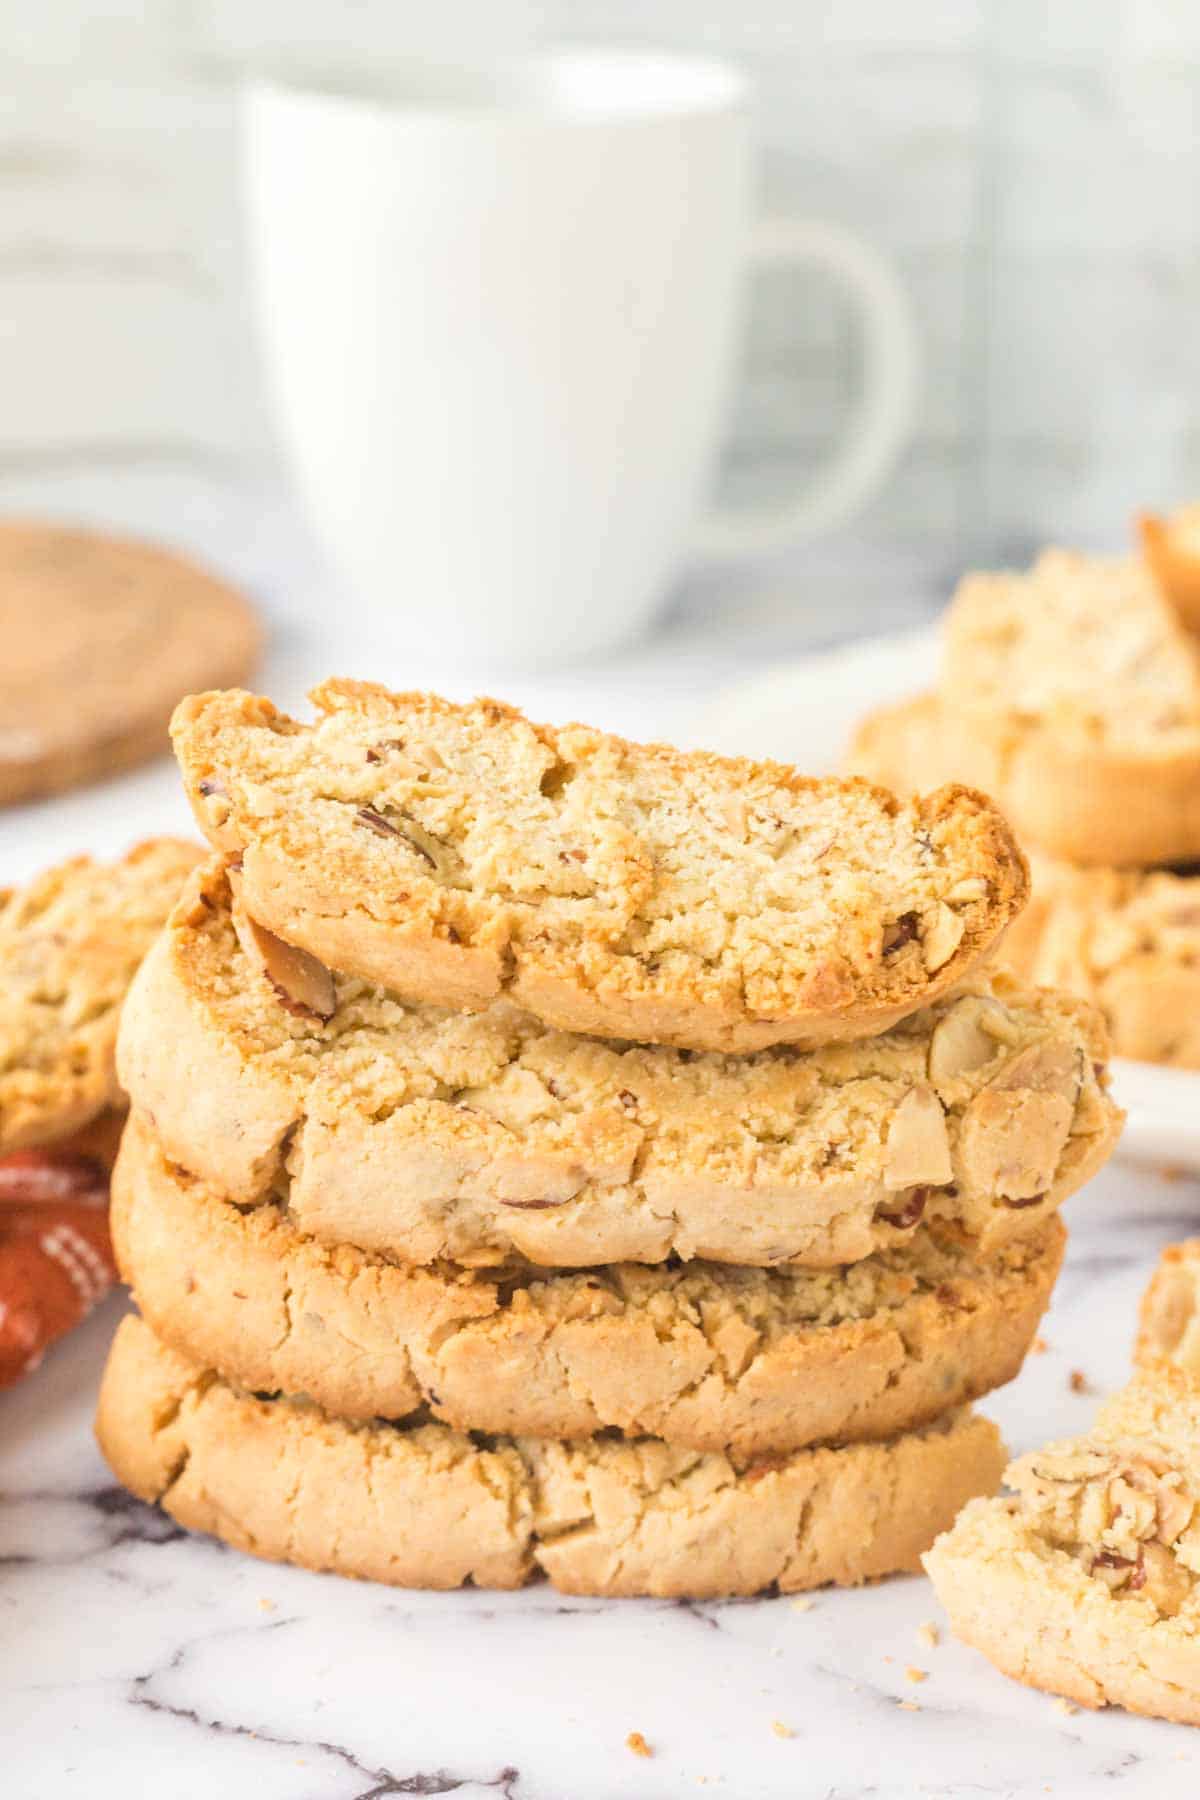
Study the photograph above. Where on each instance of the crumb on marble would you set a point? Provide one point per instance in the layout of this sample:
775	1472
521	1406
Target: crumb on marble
802	1603
266	1604
781	1730
908	1706
1038	1347
929	1635
1063	1705
913	1674
1078	1382
637	1743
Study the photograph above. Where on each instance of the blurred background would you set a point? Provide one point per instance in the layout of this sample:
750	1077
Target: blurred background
1031	168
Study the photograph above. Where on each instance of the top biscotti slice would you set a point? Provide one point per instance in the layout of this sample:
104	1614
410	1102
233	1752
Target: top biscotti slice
1071	694
457	853
1086	1579
425	1133
70	941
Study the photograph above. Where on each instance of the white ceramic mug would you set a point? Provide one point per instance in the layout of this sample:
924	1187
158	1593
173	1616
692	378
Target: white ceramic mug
500	310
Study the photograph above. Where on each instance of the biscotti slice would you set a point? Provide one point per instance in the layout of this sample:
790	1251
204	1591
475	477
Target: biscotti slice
70	941
900	746
702	1355
1171	547
424	1506
1129	940
1169	1321
457	853
1071	694
428	1135
1086	1580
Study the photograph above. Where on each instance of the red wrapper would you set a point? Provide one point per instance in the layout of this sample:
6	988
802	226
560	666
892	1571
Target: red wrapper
56	1260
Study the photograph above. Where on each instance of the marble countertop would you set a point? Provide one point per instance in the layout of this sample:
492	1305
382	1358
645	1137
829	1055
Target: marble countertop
135	1659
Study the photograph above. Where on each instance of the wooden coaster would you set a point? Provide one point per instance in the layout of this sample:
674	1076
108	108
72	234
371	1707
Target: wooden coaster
102	636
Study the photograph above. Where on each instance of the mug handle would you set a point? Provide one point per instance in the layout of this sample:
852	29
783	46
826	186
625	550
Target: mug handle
882	419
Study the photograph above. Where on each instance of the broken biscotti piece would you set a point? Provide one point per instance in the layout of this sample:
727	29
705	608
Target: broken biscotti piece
1071	694
702	1355
1171	547
457	853
1169	1323
70	941
1085	1580
1127	939
420	1505
425	1134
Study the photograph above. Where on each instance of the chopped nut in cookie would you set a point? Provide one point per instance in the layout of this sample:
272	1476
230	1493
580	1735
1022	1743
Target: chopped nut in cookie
303	986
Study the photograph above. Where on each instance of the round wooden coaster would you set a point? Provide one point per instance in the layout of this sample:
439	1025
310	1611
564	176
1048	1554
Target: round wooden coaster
102	636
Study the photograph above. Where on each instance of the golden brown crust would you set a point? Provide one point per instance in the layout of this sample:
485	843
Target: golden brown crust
456	853
70	942
424	1506
102	636
431	1135
702	1355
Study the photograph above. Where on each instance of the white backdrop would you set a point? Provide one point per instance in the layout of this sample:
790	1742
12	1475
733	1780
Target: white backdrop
1031	167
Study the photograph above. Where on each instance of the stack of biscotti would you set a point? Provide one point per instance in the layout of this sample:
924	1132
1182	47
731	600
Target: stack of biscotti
552	1154
1071	694
1085	1578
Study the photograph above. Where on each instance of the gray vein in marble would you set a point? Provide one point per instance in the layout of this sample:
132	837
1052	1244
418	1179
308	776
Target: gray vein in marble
383	1782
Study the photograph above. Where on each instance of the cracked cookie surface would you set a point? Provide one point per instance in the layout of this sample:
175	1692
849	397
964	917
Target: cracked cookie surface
701	1355
425	1506
454	853
70	941
428	1134
1085	1580
1071	694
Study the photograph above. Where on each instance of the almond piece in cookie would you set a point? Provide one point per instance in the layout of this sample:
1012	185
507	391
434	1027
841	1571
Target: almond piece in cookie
302	984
